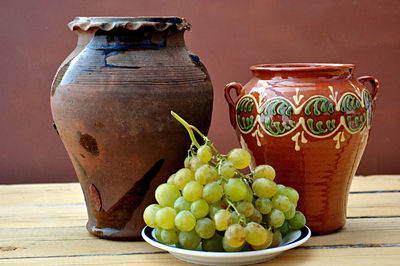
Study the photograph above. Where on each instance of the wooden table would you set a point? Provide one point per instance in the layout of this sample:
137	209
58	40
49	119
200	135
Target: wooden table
45	224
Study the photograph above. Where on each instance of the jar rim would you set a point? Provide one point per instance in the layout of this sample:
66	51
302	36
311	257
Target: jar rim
159	23
301	67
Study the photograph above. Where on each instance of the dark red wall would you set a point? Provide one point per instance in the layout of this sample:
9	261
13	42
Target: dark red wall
229	36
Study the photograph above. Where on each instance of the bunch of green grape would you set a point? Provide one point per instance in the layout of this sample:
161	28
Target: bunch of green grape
210	205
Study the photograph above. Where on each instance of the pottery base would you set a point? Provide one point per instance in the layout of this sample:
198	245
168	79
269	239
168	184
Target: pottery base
113	234
325	231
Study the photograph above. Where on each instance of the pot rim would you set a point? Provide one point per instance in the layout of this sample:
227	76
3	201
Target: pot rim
159	23
301	67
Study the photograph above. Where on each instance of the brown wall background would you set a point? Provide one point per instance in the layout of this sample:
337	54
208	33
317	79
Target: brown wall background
228	36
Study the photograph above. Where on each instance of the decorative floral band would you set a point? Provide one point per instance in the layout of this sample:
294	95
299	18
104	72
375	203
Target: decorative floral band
319	116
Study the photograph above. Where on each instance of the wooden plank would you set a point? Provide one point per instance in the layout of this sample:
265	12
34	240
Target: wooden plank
63	241
337	256
12	195
360	232
73	241
375	183
42	216
373	204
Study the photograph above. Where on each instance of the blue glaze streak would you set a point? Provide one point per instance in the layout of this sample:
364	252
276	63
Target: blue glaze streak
104	44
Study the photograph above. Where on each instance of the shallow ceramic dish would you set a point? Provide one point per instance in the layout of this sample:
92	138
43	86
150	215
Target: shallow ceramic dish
290	241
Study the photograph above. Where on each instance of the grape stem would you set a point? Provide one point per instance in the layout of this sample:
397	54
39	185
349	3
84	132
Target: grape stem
241	175
241	218
189	128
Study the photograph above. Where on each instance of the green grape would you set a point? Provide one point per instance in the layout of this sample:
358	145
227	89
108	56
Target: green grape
189	240
169	237
192	191
212	192
222	220
199	208
264	171
213	244
157	233
240	158
276	218
194	163
298	221
182	177
280	189
235	235
204	153
149	215
165	218
182	204
263	205
171	179
245	207
205	228
166	194
281	202
267	243
289	192
186	161
227	170
256	216
255	234
263	187
284	228
276	239
292	194
214	207
185	221
235	189
289	214
228	248
205	174
249	194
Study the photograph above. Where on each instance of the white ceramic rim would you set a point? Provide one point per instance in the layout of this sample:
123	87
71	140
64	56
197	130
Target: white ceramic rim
229	255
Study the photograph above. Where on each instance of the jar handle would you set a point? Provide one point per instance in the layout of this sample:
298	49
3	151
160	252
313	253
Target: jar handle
374	82
238	87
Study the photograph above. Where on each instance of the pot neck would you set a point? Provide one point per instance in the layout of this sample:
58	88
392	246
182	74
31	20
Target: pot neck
124	39
294	71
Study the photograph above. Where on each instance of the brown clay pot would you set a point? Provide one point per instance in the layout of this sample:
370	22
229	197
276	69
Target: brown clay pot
111	101
311	123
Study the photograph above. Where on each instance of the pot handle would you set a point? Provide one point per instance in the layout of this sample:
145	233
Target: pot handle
238	87
374	82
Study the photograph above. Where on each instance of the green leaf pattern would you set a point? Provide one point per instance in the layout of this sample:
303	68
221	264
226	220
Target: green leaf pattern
278	114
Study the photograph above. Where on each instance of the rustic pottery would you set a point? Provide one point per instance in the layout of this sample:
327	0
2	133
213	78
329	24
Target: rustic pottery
111	101
311	123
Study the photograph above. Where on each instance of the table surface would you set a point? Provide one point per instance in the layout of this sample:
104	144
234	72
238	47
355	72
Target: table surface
45	224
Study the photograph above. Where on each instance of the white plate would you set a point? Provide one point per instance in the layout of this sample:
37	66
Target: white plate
290	241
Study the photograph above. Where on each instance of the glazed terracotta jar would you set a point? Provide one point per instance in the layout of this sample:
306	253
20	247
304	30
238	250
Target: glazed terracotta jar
311	123
111	101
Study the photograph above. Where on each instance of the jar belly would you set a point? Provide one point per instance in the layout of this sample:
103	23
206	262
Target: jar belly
115	123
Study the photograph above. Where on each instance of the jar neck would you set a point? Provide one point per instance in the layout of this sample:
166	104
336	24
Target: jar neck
124	39
303	71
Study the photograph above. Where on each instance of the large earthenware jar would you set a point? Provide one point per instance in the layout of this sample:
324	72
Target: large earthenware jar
311	123
111	101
